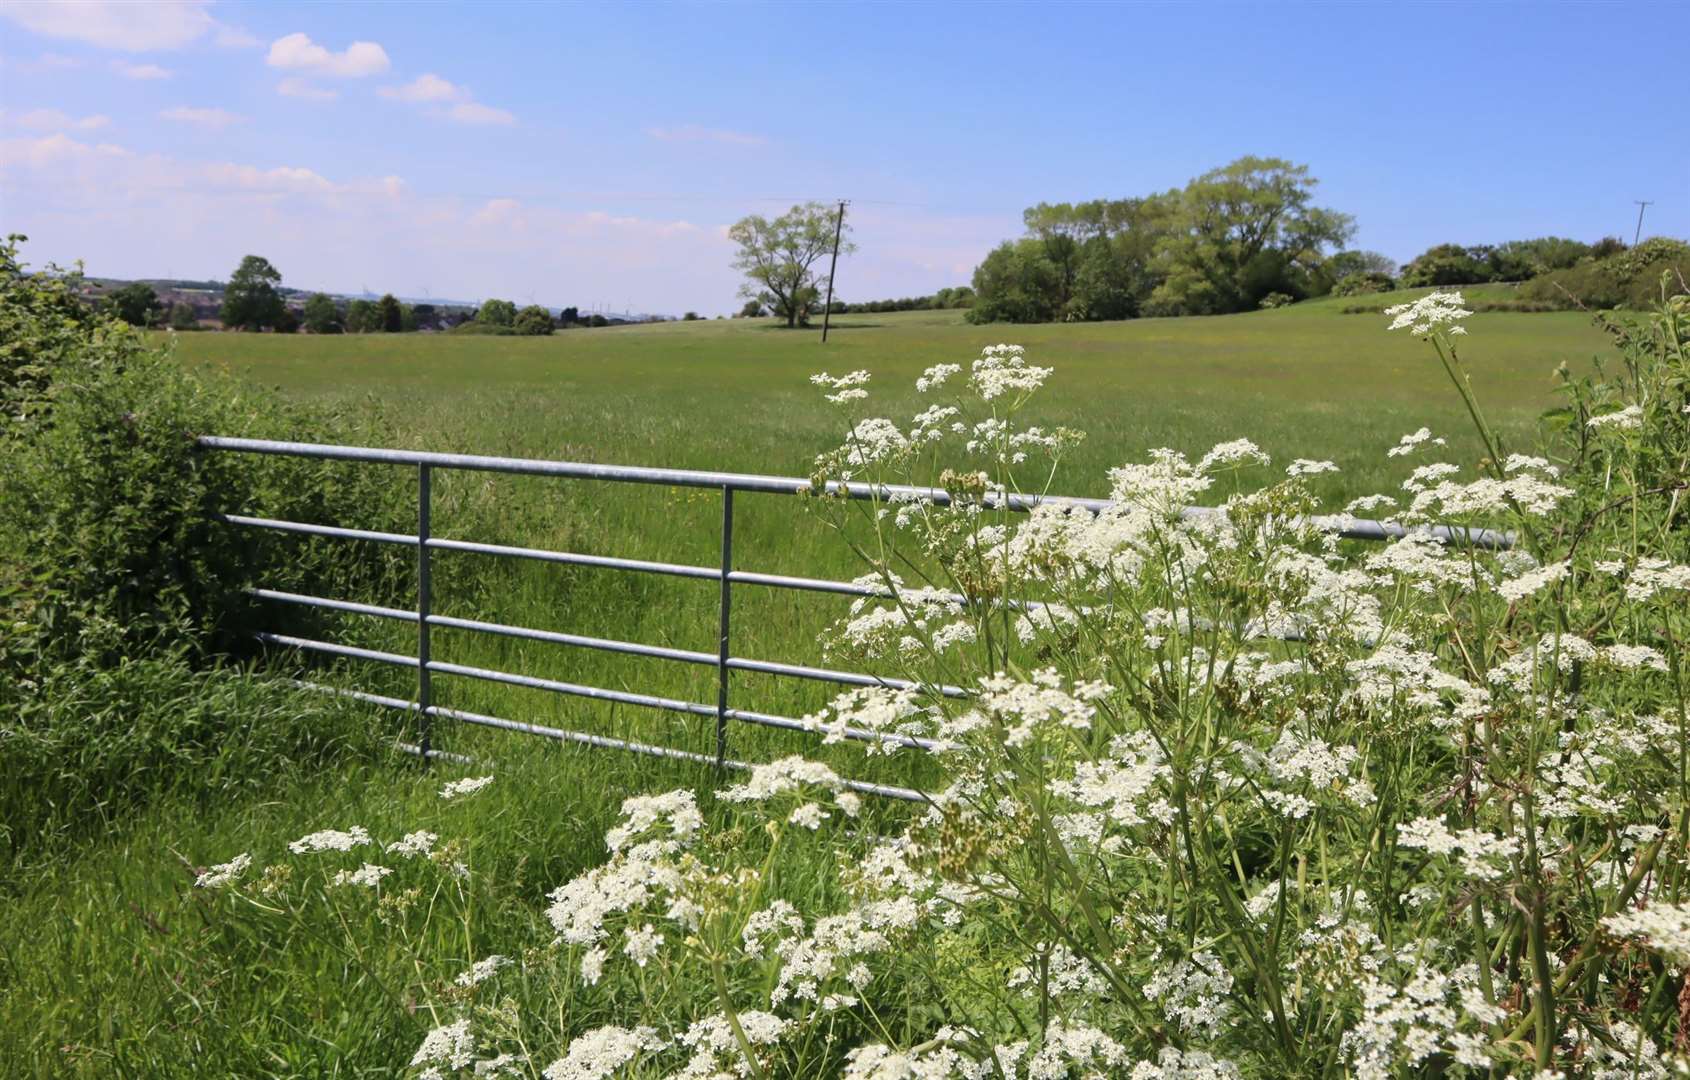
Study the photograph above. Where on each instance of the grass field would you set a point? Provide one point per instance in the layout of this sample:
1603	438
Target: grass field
111	965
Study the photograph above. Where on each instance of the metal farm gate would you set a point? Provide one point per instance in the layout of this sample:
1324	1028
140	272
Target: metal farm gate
722	659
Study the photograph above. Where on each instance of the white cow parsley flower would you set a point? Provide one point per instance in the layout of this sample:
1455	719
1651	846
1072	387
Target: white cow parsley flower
330	840
369	876
224	873
466	786
1429	313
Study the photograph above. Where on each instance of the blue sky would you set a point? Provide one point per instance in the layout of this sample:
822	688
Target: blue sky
593	154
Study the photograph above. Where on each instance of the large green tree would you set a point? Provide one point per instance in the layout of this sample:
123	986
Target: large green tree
252	299
497	313
321	315
1224	241
362	317
1246	229
534	321
136	304
389	316
779	257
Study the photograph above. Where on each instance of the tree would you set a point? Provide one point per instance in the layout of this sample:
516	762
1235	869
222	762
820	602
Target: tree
1015	283
1518	259
136	304
1362	283
182	317
1344	263
1247	229
753	309
497	313
778	258
362	317
389	318
251	300
533	321
691	316
568	317
321	315
1447	264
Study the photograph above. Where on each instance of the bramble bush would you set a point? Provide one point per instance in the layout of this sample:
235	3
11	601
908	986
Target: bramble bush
1228	795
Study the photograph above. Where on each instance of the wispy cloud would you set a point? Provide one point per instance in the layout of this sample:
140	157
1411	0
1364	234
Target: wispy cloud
305	90
695	133
297	52
124	26
470	112
208	118
57	120
431	89
140	71
425	88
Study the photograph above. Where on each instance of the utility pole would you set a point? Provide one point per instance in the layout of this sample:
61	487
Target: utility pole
838	228
1641	206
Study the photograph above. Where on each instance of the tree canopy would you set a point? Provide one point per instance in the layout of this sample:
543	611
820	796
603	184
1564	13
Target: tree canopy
497	313
136	304
534	321
778	258
251	300
1224	242
321	315
389	314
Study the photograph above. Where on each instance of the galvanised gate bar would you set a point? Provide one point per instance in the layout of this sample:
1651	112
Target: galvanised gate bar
722	660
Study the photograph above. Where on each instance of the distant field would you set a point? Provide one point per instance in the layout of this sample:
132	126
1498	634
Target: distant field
1304	381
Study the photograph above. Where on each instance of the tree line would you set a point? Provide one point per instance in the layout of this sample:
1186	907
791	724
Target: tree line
253	299
1248	235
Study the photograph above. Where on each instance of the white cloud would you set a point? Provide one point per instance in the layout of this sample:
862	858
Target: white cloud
115	24
280	179
431	89
470	112
425	88
56	120
130	175
304	90
297	52
65	159
210	119
140	71
694	133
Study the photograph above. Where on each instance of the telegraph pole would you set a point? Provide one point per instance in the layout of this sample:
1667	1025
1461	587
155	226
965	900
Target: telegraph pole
1641	206
838	228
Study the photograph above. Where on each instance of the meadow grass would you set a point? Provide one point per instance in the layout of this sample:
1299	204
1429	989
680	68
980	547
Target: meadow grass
734	395
111	964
